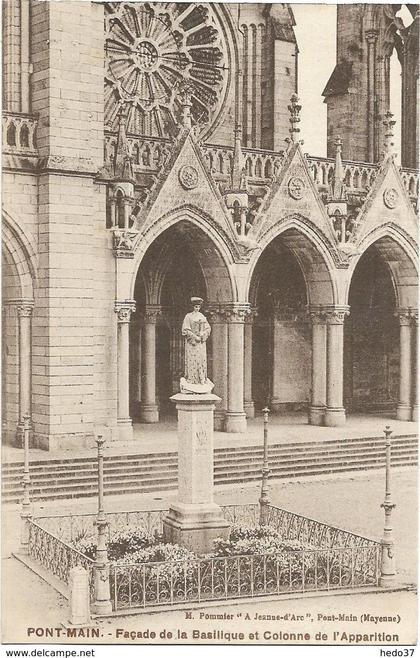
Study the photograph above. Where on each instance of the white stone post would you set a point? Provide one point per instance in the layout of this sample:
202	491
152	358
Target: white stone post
25	309
235	414
335	414
123	310
404	410
219	338
319	367
195	520
249	407
79	596
149	411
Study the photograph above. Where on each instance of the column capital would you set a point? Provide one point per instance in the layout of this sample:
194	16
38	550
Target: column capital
335	314
124	310
407	316
317	315
237	312
253	313
151	313
25	308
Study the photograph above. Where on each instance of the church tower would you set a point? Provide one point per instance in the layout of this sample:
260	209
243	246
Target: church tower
358	91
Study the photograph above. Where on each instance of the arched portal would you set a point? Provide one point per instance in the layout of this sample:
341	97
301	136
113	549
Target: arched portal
17	296
380	333
290	275
181	262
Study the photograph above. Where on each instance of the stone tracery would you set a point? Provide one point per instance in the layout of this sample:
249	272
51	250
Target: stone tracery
152	49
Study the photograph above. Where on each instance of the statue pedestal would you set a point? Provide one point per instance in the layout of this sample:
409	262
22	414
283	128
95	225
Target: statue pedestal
195	519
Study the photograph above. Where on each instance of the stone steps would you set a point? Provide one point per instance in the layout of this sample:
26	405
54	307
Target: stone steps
74	478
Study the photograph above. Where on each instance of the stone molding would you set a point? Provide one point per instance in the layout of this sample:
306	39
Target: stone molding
237	313
407	317
124	310
336	314
151	313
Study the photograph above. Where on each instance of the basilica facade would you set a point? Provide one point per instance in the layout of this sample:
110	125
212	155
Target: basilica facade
151	152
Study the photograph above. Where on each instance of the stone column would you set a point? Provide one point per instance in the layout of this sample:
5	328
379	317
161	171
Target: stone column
404	410
319	367
414	416
235	415
149	412
24	309
248	401
124	310
195	520
335	414
219	338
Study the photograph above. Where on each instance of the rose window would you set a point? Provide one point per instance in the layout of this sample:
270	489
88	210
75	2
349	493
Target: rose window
153	50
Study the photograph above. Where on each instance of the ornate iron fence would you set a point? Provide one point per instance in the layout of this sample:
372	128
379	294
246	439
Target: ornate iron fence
243	576
57	556
71	528
317	534
333	559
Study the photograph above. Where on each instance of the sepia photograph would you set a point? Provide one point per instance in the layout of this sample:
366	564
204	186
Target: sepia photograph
209	326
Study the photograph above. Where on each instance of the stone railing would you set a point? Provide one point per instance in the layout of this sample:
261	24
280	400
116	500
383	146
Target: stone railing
19	134
148	153
260	165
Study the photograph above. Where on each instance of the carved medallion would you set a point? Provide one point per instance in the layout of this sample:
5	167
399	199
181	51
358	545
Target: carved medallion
188	177
391	197
296	187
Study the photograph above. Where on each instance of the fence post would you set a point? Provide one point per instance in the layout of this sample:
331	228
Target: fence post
388	570
79	596
264	497
26	511
102	603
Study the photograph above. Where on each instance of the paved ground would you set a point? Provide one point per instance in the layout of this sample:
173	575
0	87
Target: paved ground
349	502
284	428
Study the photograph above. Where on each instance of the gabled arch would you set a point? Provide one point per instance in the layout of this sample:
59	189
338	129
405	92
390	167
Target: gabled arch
311	251
216	247
399	252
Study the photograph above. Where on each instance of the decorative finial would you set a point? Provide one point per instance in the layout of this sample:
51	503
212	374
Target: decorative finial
294	109
185	100
337	187
238	175
389	123
123	163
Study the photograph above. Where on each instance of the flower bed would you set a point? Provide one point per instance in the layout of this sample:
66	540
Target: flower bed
253	561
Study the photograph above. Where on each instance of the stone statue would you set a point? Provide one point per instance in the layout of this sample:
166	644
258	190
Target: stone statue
196	330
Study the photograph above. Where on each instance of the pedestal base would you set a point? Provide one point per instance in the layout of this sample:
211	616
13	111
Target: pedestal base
149	413
19	441
335	417
249	409
316	415
235	422
125	429
415	414
404	412
219	420
195	526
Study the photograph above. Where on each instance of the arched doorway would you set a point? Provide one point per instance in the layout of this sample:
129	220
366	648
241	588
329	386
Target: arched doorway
181	262
291	277
371	352
281	340
17	308
381	332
